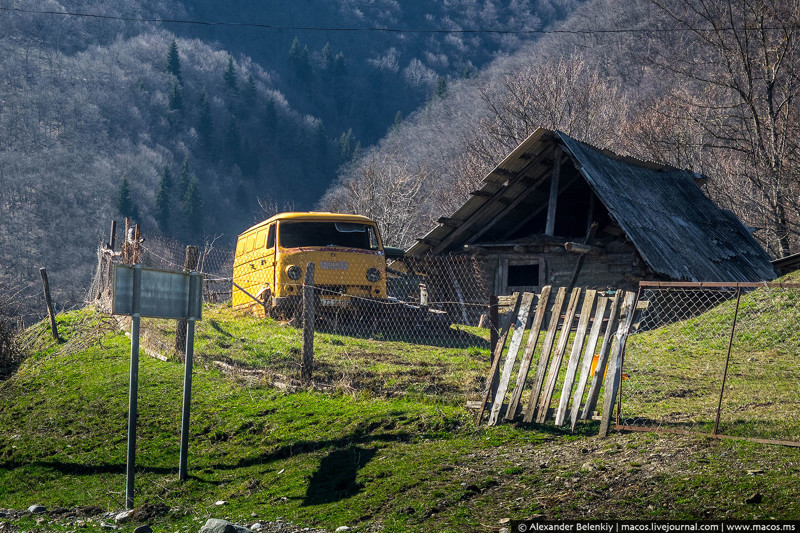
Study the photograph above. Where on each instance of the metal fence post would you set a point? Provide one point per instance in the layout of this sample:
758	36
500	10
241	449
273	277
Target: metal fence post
727	359
134	386
307	364
194	297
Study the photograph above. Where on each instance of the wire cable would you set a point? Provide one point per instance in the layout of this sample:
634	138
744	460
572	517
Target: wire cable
383	29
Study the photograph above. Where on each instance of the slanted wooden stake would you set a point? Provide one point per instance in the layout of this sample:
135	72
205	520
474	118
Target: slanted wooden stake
49	302
307	364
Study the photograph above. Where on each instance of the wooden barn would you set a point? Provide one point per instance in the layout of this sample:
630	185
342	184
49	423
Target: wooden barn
559	212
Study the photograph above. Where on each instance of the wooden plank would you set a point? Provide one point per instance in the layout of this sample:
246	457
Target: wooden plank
615	364
524	367
558	357
597	379
491	382
574	357
544	357
550	225
518	330
588	356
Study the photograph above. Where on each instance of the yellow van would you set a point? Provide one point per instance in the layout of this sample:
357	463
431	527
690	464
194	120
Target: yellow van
271	258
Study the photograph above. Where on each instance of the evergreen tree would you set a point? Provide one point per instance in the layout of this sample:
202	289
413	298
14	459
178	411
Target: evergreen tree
232	142
299	60
441	88
347	145
339	66
163	200
176	97
270	116
184	177
230	75
250	90
125	205
173	62
398	118
205	125
193	209
327	57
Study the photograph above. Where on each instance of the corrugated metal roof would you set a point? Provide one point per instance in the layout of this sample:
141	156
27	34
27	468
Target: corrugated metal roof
678	231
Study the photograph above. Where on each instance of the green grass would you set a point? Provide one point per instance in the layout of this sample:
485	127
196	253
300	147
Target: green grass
676	371
387	449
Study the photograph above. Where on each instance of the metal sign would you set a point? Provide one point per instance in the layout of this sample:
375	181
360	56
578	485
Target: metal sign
147	292
163	294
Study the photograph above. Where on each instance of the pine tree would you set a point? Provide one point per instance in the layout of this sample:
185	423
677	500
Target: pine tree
270	116
184	177
193	209
398	118
346	145
299	60
441	88
176	97
250	90
163	200
230	75
327	57
173	62
339	65
125	205
205	124
232	142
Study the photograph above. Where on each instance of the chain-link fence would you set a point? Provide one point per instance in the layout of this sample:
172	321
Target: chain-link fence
714	359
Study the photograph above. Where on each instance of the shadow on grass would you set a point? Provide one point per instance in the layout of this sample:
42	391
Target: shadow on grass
335	479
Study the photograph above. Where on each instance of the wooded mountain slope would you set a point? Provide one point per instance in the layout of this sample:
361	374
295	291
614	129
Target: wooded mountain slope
179	127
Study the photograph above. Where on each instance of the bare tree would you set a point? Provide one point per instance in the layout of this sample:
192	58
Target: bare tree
739	60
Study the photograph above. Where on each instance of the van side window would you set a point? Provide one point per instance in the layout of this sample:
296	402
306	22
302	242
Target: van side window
271	237
240	246
373	238
262	236
251	242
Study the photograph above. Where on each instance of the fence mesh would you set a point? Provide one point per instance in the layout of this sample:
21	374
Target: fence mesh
718	360
426	330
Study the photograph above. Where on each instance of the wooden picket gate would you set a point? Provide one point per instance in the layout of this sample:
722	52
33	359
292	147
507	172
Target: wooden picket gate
604	319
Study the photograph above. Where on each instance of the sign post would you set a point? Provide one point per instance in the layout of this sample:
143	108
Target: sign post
139	292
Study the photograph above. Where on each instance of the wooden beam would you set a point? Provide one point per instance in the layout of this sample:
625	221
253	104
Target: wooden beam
449	222
482	194
534	212
579	248
475	217
551	204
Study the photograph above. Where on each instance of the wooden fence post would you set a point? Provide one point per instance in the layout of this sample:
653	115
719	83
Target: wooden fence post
494	322
189	264
306	366
49	302
112	241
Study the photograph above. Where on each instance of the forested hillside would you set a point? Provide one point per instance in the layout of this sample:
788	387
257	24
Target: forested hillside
710	86
190	129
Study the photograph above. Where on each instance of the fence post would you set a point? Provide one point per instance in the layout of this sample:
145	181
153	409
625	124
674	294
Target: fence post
494	322
113	237
49	302
727	359
189	264
307	364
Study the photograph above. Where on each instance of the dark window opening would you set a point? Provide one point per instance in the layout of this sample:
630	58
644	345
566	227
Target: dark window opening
344	234
271	237
523	275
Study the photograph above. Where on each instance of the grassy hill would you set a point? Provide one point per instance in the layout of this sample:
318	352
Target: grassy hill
380	450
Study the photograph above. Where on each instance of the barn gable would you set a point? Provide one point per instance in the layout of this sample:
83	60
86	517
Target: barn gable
553	195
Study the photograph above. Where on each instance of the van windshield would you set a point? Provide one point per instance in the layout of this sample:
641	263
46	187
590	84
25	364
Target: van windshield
344	234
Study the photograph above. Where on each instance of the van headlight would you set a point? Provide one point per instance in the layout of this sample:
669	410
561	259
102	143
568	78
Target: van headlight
294	272
373	275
